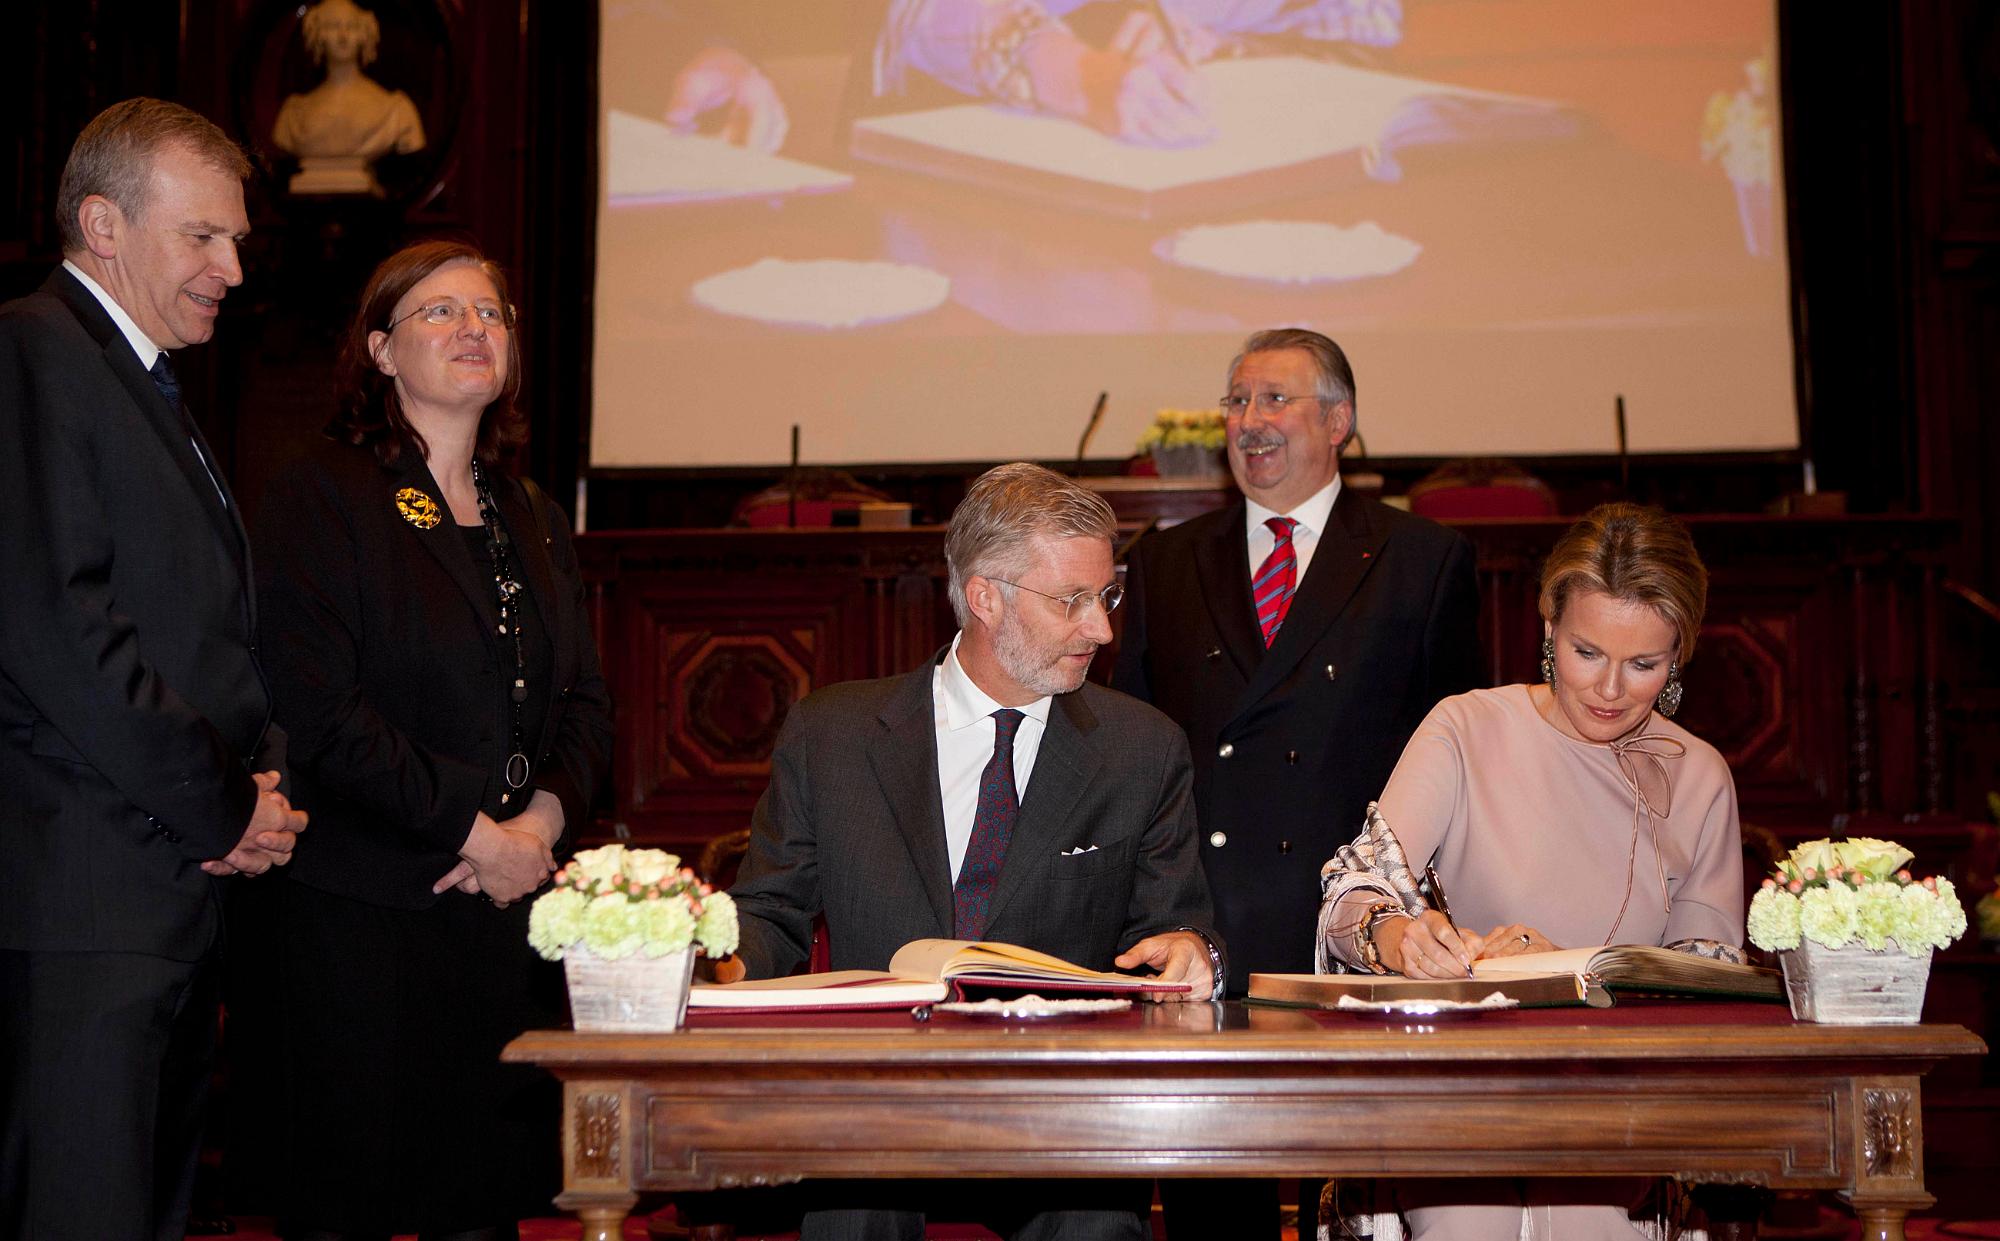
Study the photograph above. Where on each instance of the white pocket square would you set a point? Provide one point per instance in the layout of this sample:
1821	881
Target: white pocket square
1079	849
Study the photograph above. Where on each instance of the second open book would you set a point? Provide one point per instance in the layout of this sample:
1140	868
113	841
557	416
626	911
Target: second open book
1566	976
925	971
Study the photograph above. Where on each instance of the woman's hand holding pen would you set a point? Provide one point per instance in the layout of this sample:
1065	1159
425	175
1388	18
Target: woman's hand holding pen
1427	947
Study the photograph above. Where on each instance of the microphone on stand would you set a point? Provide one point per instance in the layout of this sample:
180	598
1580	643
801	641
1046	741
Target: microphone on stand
792	482
1624	455
1089	429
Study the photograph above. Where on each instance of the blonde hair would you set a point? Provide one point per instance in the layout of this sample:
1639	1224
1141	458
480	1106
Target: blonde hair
1003	511
1635	554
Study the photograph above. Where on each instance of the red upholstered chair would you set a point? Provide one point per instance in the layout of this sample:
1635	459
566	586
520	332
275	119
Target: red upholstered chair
1481	488
719	860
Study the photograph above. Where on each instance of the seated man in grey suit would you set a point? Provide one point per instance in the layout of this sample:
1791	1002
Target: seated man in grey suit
991	794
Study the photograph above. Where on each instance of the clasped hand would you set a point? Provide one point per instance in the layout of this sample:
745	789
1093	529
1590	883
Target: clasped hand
268	840
1430	947
508	861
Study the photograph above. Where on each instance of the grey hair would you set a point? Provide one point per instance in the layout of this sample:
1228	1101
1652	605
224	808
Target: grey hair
1336	377
113	158
1004	510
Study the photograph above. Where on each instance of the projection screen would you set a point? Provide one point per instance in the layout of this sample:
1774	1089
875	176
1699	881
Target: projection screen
935	230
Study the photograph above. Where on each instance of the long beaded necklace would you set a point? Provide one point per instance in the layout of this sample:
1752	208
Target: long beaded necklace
507	588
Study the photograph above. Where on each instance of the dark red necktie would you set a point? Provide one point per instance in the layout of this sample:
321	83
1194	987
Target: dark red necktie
992	828
1273	585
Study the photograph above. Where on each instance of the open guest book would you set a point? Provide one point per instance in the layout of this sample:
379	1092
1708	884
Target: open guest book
1567	976
927	971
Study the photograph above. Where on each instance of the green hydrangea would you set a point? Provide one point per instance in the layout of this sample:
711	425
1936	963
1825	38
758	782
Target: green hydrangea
1854	891
613	927
1878	915
1827	914
1774	919
668	926
1929	920
556	921
717	928
1951	912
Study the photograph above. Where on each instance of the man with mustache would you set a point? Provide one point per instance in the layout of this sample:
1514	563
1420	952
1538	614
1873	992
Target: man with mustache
136	752
990	794
1298	637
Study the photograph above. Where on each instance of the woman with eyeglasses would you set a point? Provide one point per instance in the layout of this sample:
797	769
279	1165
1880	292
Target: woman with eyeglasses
423	628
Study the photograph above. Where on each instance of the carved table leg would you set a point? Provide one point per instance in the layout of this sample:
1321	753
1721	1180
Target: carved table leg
1882	1223
597	1159
1888	1157
603	1215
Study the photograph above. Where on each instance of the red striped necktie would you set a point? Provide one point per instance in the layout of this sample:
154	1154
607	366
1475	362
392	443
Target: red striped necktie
1272	588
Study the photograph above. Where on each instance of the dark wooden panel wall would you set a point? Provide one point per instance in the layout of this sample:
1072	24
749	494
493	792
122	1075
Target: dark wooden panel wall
1892	120
1816	674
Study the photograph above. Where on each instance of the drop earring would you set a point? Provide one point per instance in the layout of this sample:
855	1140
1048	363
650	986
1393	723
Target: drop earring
1549	660
1669	700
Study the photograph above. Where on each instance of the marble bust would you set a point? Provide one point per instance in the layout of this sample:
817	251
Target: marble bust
339	128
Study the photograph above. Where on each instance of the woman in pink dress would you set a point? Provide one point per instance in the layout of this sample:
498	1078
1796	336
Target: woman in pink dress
1568	814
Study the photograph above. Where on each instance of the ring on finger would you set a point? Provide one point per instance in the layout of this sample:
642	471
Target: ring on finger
1525	941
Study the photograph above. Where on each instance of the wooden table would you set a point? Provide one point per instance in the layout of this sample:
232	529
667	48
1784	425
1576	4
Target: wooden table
1728	1093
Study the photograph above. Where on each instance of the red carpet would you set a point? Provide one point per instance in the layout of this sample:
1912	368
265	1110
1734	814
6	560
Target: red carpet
1920	1229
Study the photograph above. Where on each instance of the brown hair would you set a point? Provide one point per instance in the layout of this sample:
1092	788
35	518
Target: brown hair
1006	507
369	411
1635	554
1336	377
113	158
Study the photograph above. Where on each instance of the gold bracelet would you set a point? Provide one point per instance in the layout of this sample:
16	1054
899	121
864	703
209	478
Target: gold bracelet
1371	954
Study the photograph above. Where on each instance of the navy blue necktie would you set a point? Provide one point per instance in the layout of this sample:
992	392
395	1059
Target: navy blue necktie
170	387
992	828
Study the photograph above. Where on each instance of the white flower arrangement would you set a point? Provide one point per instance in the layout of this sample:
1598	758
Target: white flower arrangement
1175	428
617	901
1854	891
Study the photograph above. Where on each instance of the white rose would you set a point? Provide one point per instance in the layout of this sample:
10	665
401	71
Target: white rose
600	866
646	867
1814	854
1878	859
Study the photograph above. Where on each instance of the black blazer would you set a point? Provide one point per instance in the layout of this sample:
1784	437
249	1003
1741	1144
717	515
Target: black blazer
131	707
380	639
1291	744
852	826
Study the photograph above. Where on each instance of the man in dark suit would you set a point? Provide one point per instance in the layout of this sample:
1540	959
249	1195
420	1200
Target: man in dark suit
991	794
135	752
1298	637
1297	663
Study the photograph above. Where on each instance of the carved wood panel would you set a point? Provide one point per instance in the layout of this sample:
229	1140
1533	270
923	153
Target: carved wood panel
709	637
1806	677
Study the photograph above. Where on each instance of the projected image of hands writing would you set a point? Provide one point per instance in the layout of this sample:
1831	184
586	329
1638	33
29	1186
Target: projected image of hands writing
887	199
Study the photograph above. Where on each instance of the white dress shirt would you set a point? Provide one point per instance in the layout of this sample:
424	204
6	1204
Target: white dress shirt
141	344
1312	517
148	354
963	718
